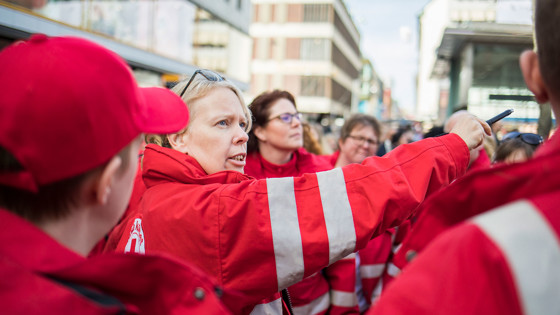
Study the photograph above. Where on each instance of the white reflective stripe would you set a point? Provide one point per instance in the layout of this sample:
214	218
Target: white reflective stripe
316	306
396	248
393	270
350	256
343	299
338	214
376	292
531	248
286	237
271	308
135	241
371	271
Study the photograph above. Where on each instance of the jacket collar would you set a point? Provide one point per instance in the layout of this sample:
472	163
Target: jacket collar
168	165
26	245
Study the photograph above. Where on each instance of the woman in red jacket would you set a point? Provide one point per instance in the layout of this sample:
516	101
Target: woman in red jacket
275	149
261	236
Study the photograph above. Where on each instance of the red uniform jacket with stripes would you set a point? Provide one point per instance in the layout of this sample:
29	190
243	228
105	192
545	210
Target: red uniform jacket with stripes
503	261
261	236
331	289
40	276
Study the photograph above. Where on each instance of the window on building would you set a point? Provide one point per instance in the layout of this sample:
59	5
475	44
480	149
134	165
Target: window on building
313	85
316	12
314	49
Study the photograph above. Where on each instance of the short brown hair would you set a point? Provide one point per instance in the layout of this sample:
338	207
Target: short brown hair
52	201
359	120
547	24
260	109
506	148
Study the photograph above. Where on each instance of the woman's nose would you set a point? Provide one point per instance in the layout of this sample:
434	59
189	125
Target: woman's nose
241	136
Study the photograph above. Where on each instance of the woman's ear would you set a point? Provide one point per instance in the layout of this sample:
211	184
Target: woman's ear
178	141
529	63
259	133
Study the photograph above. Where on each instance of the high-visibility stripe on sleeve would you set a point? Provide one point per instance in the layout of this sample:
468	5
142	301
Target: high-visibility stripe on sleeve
286	236
338	214
317	306
531	248
272	308
343	299
371	271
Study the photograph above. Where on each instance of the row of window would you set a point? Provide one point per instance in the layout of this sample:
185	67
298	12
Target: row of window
280	13
313	86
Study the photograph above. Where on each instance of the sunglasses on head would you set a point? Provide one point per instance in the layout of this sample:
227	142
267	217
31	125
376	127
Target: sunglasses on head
529	138
208	74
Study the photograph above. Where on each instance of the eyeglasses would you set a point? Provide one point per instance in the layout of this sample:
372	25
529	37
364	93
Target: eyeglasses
287	117
361	140
208	74
529	138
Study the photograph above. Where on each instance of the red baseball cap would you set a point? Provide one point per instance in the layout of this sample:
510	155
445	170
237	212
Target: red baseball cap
68	105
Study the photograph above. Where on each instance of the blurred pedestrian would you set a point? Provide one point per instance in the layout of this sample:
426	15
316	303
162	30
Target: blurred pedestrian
489	244
517	147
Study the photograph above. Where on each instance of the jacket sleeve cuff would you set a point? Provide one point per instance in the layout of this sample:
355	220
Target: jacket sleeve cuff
458	150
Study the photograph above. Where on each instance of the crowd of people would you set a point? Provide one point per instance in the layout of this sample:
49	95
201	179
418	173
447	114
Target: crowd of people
225	210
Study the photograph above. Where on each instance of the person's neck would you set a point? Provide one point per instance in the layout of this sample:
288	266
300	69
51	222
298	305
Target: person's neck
275	156
341	161
73	231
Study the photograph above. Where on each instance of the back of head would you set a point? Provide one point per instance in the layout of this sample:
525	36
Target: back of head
260	110
54	127
517	147
547	24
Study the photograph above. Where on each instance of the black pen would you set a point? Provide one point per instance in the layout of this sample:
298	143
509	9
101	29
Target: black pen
499	117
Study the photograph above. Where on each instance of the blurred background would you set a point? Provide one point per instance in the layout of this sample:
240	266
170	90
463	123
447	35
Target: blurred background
406	62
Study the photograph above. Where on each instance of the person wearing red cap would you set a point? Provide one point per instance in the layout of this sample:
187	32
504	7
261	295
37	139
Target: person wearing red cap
67	163
489	243
261	236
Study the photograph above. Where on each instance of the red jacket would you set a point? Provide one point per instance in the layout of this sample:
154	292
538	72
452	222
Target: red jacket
331	289
502	261
40	276
261	236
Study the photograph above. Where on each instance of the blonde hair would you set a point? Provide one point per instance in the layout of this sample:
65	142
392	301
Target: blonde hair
199	88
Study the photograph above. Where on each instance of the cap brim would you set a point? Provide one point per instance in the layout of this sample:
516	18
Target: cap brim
165	111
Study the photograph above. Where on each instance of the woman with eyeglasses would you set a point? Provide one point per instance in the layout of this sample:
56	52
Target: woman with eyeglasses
261	236
276	149
517	147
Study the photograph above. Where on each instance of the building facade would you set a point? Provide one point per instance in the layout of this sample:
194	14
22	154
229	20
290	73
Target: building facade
468	57
155	37
310	48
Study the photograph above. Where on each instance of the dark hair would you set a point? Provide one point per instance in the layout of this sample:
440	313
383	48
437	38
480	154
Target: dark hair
53	201
359	120
396	137
547	24
434	132
260	109
506	148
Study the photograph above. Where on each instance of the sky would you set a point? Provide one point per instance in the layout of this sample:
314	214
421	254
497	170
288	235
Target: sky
389	38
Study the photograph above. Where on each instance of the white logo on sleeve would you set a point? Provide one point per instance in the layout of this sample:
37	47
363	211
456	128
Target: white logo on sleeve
135	242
